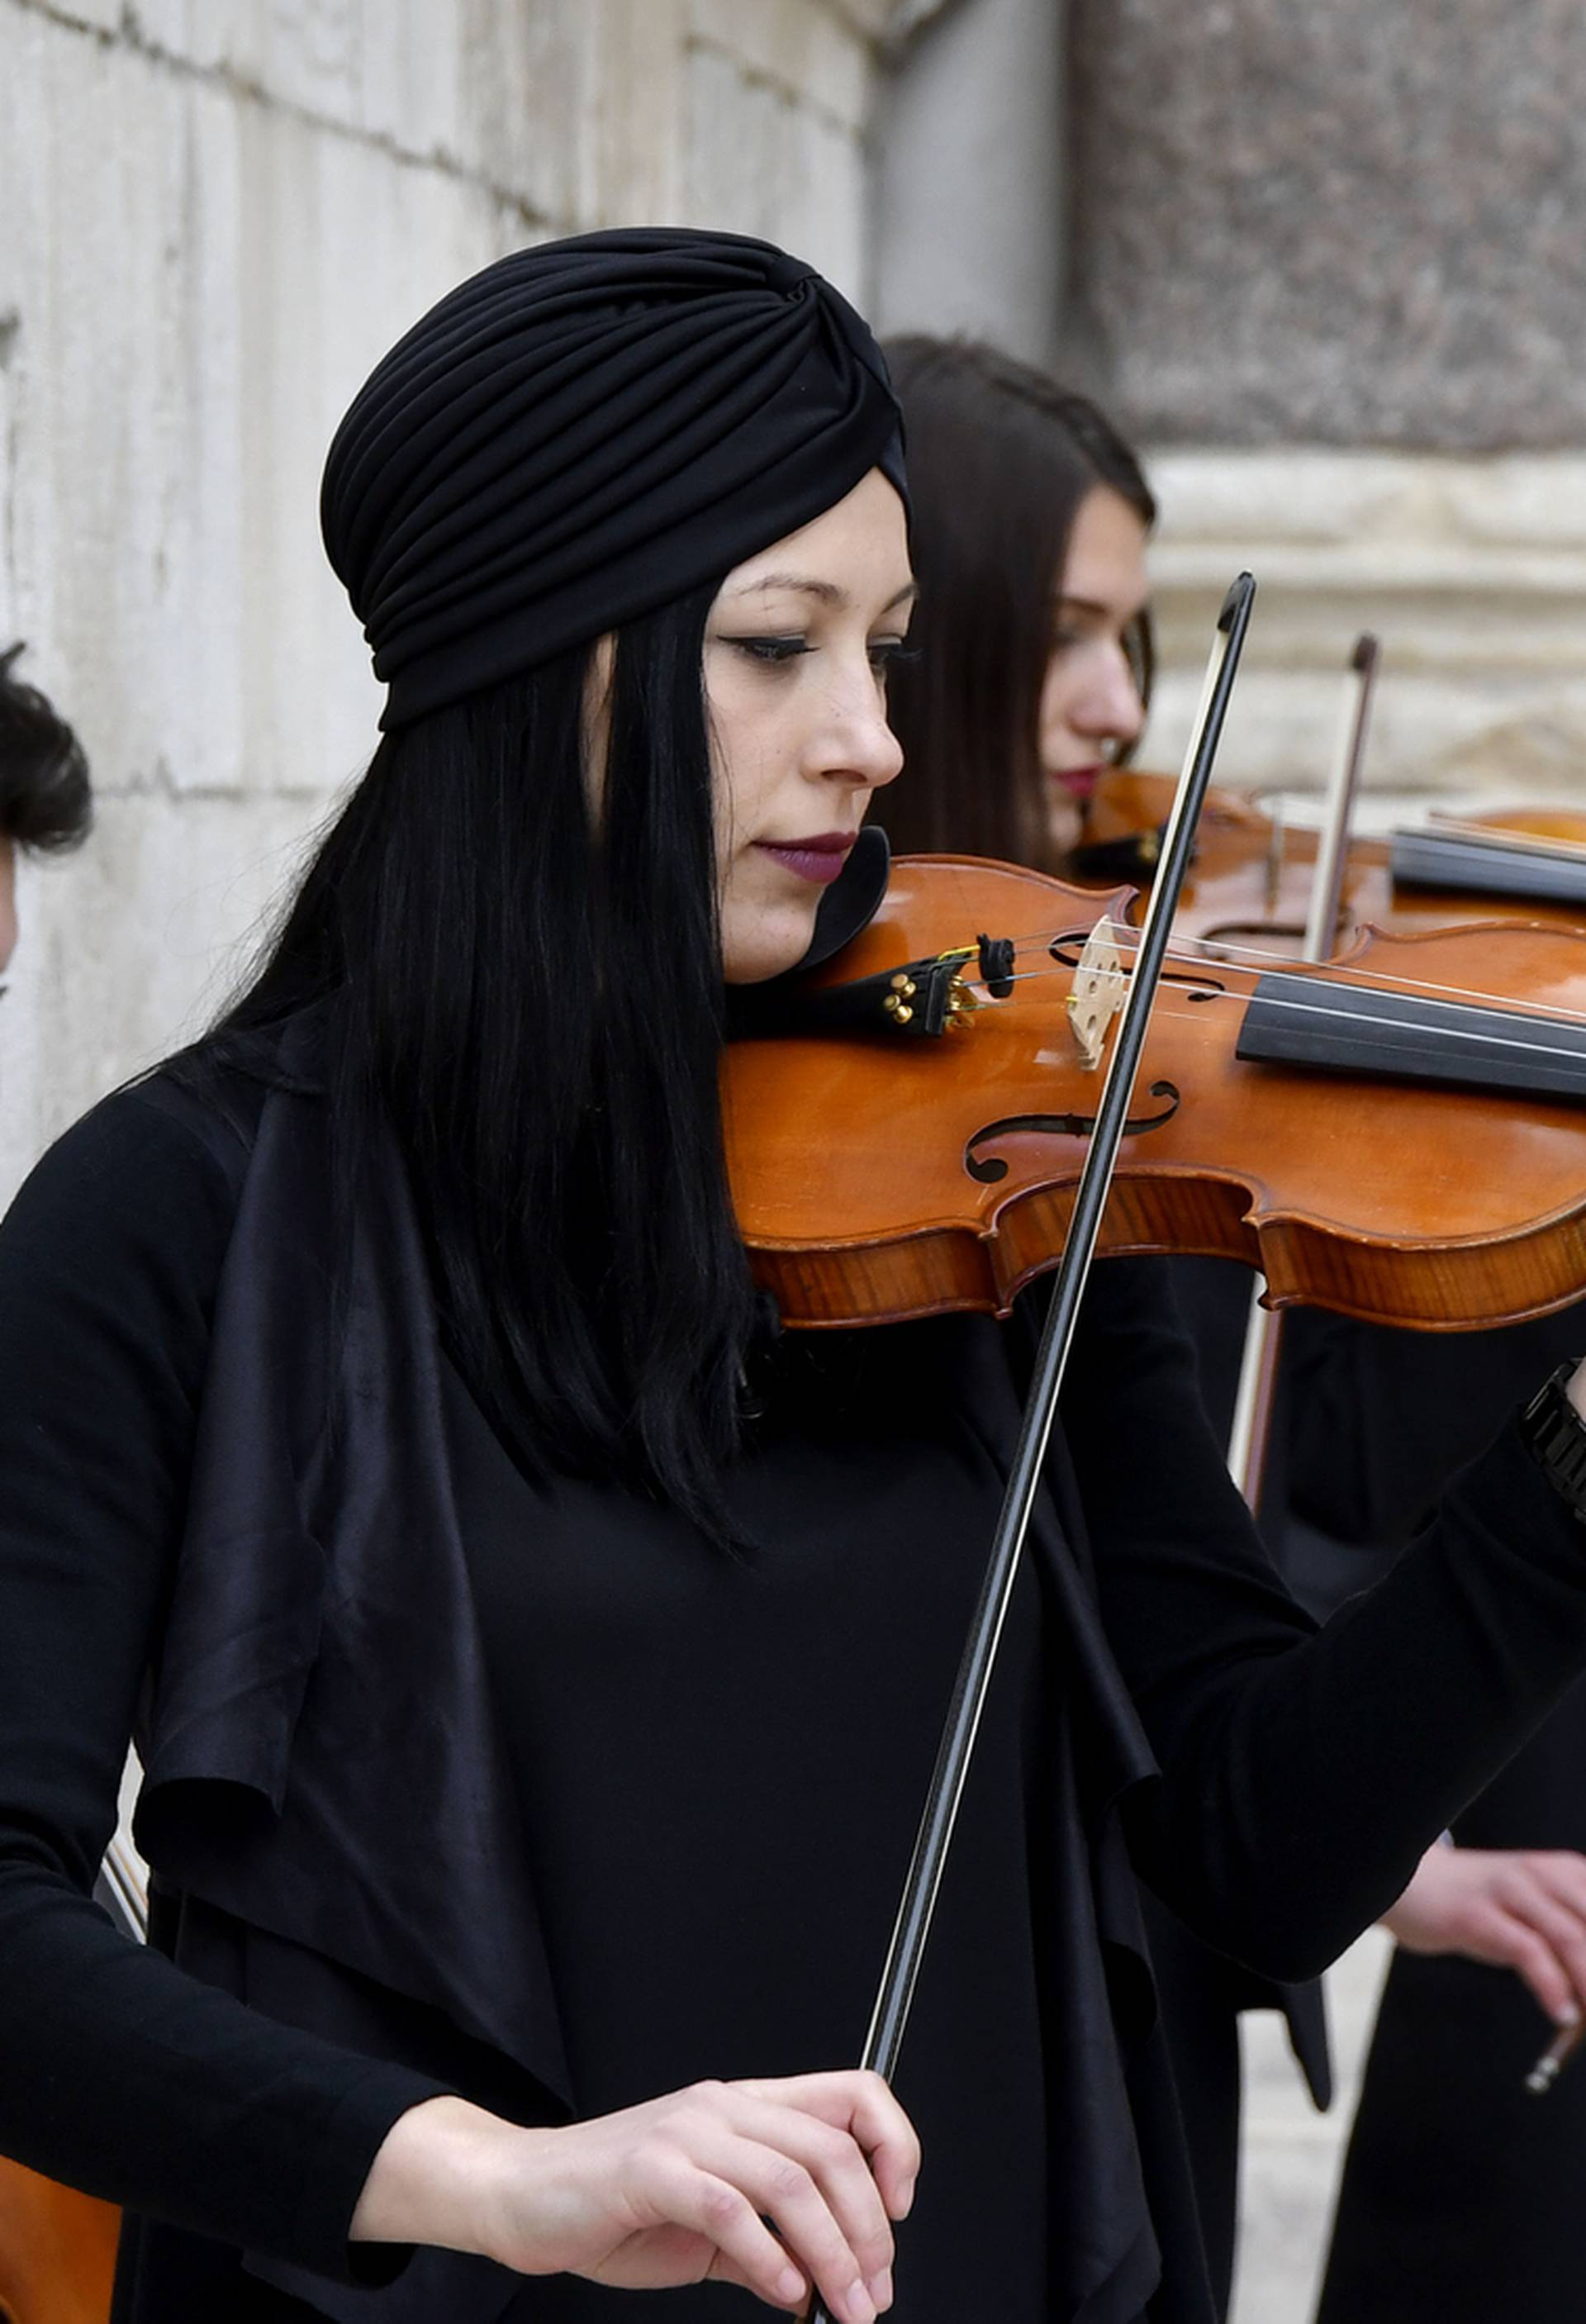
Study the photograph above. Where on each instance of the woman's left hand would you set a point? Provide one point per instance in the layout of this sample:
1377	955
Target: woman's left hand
1523	1909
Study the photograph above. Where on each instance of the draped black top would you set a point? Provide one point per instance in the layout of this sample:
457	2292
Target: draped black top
456	1784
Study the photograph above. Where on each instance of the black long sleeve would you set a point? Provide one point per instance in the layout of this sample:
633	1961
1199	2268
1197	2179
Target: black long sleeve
1377	1418
121	2074
1304	1772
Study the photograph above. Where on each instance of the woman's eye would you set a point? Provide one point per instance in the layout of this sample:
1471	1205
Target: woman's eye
1061	640
775	651
772	650
885	652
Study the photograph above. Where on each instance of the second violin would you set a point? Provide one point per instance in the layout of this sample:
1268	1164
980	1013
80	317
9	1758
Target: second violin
1250	881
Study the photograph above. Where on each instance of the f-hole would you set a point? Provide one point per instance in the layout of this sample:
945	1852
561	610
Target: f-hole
990	1169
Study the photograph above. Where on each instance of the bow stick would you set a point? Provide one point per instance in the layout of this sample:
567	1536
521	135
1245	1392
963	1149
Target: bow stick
1249	1436
127	1886
898	1977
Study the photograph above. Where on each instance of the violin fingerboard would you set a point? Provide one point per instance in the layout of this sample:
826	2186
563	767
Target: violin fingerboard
1353	1028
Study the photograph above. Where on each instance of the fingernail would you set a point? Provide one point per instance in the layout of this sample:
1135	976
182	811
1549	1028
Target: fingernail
789	2285
859	2305
1568	2014
880	2288
906	2200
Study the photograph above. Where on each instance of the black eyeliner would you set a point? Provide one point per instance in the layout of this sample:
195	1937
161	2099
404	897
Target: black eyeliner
771	649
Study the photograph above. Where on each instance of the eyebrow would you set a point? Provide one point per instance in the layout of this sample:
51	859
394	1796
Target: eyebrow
1093	605
826	591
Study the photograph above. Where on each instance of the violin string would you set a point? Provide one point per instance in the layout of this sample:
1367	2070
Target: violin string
1429	1028
1432	1033
1364	979
1234	956
1218	953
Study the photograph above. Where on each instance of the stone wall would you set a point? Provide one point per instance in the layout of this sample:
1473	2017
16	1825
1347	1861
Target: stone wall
217	212
1353	224
1472	573
968	195
1327	265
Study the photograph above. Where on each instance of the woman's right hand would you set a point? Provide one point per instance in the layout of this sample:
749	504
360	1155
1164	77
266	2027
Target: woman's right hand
677	2190
1519	1908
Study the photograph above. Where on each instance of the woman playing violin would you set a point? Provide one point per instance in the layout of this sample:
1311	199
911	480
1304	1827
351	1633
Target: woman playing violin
1025	692
536	1659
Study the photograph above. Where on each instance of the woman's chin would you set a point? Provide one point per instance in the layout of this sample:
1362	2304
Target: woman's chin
1064	821
767	944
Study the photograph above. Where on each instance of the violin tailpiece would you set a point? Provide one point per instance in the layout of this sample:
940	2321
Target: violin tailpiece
1132	856
920	997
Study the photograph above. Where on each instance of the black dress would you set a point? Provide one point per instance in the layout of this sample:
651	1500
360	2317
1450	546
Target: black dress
588	1809
1461	2199
1201	1992
720	1765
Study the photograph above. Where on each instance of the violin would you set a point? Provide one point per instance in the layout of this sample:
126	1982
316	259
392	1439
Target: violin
57	2251
57	2247
1251	880
1398	1135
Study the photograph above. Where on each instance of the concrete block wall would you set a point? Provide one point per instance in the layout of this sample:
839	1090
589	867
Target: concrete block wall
215	215
1471	571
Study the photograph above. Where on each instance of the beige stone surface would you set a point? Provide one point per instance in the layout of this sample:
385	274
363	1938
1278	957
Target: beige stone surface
809	55
743	164
218	213
1291	2154
1471	572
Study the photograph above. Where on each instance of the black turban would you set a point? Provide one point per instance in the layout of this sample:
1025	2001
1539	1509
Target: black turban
582	432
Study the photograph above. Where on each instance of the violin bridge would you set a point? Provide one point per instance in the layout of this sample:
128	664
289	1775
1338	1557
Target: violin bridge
1097	994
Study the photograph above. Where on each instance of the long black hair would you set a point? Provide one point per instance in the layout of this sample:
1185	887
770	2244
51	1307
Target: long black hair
527	992
1000	458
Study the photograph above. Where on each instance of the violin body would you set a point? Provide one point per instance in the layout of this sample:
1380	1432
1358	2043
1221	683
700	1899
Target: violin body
1251	880
57	2251
880	1178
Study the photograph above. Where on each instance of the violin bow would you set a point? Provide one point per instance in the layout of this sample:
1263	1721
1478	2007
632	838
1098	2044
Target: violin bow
128	1884
1249	1436
900	1974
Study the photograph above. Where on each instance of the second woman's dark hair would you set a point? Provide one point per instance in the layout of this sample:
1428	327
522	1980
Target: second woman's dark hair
528	994
1000	458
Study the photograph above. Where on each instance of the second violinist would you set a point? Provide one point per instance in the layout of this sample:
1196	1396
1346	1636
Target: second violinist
1032	517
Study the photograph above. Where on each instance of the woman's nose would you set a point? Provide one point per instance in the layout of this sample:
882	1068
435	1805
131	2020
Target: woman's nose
1110	709
860	745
